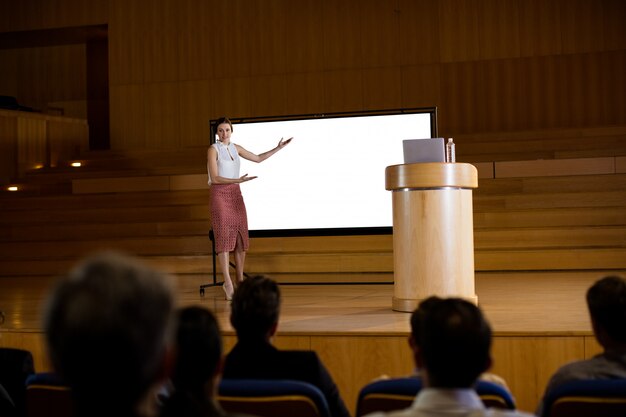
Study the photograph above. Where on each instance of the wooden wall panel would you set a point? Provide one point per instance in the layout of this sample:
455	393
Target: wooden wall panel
614	27
195	53
418	32
355	361
540	28
382	88
127	116
458	30
126	43
527	363
343	90
10	72
341	31
160	47
8	149
305	93
304	36
380	46
231	97
196	109
268	95
268	53
162	115
582	25
498	29
421	86
31	145
63	13
232	47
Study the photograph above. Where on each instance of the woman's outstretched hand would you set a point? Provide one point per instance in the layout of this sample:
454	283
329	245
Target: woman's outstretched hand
245	178
282	143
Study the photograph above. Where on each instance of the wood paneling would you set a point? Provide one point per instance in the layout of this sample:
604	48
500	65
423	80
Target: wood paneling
341	32
458	30
526	363
540	28
162	115
304	36
305	93
127	116
382	88
231	22
421	87
343	90
379	37
418	32
268	48
498	29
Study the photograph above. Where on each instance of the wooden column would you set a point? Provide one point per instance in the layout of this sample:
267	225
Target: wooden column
433	232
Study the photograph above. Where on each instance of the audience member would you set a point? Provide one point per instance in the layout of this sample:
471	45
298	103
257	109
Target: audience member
606	301
198	366
255	312
451	342
108	328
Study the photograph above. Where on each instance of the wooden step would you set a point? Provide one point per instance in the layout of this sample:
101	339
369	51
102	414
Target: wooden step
598	259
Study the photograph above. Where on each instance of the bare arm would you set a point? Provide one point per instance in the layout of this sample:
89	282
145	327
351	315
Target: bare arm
246	154
212	169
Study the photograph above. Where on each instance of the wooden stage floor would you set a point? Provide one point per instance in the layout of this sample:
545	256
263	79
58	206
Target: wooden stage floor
539	320
546	303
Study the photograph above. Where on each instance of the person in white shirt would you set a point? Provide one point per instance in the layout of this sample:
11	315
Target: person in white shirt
229	218
451	342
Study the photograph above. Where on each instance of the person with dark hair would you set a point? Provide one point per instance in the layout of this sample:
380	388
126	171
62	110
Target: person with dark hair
451	342
254	315
197	368
606	302
108	331
228	211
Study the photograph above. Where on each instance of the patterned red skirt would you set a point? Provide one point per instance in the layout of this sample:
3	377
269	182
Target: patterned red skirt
228	217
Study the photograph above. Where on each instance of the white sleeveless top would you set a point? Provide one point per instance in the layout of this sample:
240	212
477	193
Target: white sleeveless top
228	161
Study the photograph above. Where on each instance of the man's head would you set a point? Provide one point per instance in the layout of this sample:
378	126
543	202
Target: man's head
451	341
198	348
606	300
107	326
255	308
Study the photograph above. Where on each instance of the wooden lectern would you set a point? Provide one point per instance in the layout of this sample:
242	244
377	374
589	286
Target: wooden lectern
433	231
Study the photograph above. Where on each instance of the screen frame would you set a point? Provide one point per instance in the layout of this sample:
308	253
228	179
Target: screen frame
342	231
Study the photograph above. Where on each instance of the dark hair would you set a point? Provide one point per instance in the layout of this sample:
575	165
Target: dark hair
107	326
199	348
255	307
220	121
454	339
606	300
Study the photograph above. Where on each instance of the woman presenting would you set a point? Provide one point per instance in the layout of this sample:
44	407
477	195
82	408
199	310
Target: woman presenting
228	211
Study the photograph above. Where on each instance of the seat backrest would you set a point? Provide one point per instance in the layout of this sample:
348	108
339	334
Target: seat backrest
272	398
16	365
398	393
584	398
48	396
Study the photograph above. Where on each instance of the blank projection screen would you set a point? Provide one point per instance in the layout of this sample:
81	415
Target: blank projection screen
331	178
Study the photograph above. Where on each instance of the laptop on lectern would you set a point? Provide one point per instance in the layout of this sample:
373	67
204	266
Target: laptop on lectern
424	150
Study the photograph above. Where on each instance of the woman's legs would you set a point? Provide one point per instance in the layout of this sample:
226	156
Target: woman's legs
224	262
240	258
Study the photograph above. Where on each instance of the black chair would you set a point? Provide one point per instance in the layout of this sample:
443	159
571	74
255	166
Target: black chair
16	365
272	398
399	393
48	396
585	398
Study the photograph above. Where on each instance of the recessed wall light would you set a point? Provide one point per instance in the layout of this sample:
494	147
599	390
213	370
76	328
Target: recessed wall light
13	188
76	164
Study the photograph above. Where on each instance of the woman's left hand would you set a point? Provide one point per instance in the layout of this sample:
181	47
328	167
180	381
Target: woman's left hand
282	143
